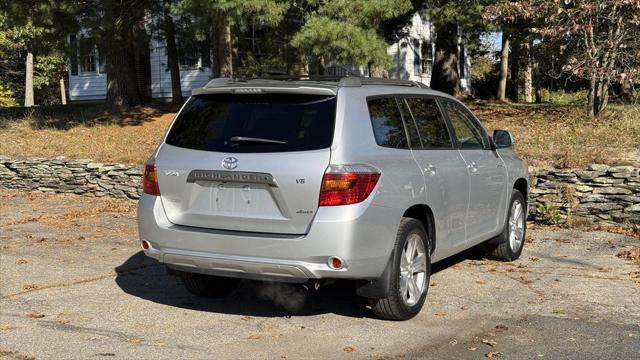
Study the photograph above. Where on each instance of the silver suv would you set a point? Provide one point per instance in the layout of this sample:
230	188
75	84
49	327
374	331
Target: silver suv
301	180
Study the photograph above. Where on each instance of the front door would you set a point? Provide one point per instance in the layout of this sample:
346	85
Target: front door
487	173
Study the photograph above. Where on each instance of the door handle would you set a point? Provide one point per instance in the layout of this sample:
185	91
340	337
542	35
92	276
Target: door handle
430	169
473	167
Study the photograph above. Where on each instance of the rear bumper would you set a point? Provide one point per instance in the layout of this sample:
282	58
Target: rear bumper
362	235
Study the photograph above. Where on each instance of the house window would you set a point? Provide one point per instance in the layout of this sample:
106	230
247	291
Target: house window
87	60
427	58
192	55
417	62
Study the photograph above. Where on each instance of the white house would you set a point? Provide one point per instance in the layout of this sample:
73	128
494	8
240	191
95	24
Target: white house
412	60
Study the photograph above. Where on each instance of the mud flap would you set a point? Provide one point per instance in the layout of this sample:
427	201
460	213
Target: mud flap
380	287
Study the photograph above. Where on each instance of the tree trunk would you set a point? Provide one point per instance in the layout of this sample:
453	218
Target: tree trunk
63	92
514	91
172	55
504	67
445	76
591	103
122	85
528	73
225	54
28	81
122	81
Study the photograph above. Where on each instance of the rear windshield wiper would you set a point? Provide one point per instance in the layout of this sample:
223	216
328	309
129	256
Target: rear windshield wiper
245	139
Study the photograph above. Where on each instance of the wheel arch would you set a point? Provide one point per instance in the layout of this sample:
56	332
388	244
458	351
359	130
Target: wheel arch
424	214
522	185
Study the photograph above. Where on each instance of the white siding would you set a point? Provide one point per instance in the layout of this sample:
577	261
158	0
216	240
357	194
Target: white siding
420	34
403	53
161	76
85	87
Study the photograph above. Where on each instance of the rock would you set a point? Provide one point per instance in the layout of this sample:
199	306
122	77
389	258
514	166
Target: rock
598	167
601	206
583	188
620	169
612	191
594	198
607	180
633	208
621	175
588	175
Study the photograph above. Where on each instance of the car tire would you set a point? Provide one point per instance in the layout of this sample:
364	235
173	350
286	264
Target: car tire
507	246
207	285
409	279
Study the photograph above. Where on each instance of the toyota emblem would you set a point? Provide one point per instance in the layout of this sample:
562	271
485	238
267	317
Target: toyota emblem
230	163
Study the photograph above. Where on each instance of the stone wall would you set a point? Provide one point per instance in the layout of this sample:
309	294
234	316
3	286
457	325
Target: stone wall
82	177
599	194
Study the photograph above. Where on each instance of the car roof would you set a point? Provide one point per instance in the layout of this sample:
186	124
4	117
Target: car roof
320	85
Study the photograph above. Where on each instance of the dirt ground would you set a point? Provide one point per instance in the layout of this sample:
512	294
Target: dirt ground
75	285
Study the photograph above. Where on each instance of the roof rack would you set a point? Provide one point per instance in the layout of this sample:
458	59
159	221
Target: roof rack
342	81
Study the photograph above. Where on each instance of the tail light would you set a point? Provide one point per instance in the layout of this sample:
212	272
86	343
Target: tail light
347	184
150	180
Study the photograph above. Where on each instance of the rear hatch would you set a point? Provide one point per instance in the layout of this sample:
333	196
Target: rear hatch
247	162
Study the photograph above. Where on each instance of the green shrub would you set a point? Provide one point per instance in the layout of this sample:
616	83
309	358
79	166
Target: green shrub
7	97
548	214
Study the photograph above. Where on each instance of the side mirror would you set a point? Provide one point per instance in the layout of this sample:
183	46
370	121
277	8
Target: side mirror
502	139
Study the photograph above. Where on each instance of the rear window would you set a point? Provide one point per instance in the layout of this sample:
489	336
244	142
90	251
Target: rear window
255	123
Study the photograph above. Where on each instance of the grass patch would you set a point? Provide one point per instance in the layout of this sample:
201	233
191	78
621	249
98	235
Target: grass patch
564	136
84	132
546	135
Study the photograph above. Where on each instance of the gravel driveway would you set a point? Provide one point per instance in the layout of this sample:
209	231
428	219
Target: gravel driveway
75	285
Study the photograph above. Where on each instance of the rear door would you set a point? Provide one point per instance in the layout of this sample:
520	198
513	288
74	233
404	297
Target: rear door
444	170
487	174
247	162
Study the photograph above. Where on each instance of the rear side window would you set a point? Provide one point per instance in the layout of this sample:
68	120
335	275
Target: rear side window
386	120
255	123
431	126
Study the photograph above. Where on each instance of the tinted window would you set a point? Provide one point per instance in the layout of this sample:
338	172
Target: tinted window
410	126
387	123
469	133
431	126
246	123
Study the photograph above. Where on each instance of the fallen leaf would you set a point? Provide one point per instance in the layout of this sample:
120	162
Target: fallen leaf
21	262
29	287
5	327
348	349
473	349
633	254
246	318
254	337
489	342
63	321
481	282
491	354
134	341
34	315
441	313
534	259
